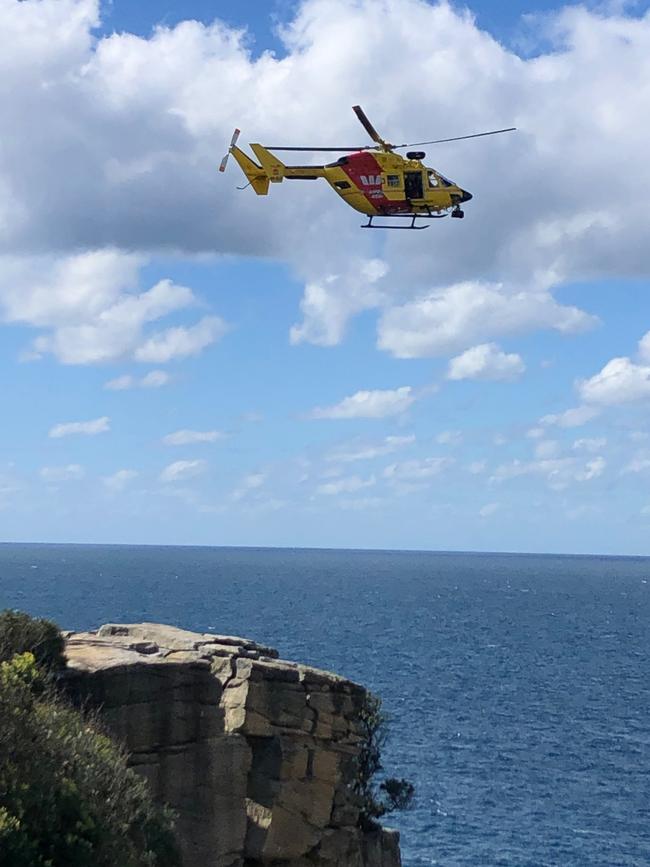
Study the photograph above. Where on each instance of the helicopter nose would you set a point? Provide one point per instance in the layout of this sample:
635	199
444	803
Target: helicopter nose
466	196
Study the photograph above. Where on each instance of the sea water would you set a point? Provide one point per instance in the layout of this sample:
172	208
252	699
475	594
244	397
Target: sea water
518	687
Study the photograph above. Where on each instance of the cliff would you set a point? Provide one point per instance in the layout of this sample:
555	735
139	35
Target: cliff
254	754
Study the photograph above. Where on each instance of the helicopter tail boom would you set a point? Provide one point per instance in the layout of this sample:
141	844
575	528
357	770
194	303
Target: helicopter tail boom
270	169
277	171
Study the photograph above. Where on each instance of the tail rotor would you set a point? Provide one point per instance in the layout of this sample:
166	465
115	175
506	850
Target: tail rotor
233	142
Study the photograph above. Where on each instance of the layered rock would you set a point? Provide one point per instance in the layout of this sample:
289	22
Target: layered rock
254	754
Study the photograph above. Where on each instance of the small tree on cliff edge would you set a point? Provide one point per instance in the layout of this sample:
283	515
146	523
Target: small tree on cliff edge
20	633
392	794
67	797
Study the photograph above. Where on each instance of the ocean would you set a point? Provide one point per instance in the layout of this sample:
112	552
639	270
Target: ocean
518	686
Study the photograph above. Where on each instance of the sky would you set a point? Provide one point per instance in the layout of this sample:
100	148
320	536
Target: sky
183	362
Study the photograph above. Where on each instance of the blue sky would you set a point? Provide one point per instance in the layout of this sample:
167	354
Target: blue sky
185	363
260	18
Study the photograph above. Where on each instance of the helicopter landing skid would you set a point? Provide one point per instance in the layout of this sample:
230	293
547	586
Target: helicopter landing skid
411	217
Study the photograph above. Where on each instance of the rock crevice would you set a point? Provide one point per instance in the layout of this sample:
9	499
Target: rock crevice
254	754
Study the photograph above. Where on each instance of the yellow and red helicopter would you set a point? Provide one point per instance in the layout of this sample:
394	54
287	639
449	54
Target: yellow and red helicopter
379	184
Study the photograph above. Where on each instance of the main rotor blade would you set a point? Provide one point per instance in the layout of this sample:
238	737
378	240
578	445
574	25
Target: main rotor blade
369	128
456	138
278	148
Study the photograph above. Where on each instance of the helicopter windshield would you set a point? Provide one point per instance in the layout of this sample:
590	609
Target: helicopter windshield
436	180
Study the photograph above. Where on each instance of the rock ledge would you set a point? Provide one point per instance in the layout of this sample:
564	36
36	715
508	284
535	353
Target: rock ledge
255	754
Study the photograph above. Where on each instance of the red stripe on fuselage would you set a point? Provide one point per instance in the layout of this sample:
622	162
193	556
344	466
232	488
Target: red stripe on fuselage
364	171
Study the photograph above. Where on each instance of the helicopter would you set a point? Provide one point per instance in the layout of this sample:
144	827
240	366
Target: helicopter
383	184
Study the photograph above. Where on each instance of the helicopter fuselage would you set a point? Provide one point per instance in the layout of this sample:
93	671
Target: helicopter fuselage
387	183
382	183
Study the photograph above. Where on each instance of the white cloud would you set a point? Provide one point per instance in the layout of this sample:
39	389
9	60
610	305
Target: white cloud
488	362
369	404
181	471
639	464
51	292
181	342
590	444
620	381
489	509
449	438
416	470
348	485
450	319
359	451
121	383
71	472
545	449
119	480
516	468
559	472
114	332
153	379
190	437
592	470
575	417
644	348
251	482
92	310
88	428
362	504
331	472
329	302
476	468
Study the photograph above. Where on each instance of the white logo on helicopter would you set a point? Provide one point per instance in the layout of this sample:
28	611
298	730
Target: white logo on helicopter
371	180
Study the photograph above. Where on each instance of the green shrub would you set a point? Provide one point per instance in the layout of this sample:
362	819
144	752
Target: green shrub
67	798
392	794
20	633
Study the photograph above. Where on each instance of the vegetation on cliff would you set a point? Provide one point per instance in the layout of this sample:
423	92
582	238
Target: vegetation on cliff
67	797
20	633
392	793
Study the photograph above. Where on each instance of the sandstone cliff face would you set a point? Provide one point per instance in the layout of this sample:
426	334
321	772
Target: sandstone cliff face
254	754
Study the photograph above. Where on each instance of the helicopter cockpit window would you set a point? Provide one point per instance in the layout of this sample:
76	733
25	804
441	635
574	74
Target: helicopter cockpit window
433	180
392	180
446	182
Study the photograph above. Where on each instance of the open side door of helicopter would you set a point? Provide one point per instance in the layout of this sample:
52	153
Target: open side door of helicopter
413	185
